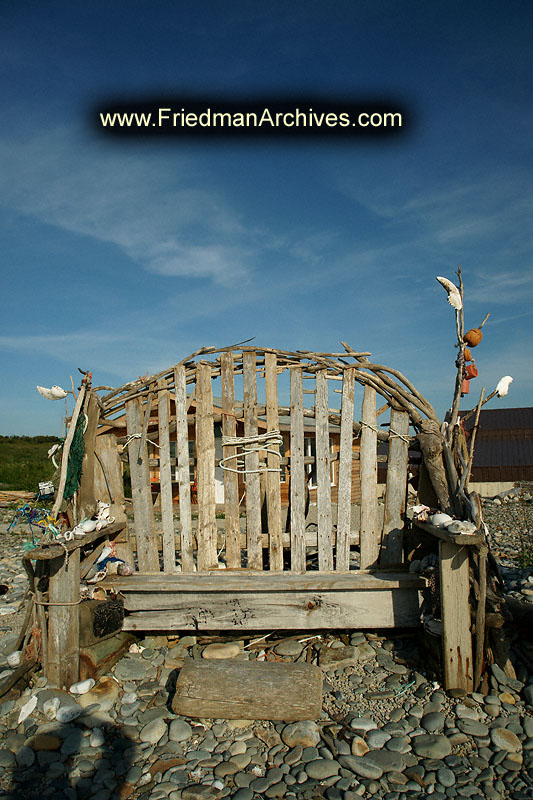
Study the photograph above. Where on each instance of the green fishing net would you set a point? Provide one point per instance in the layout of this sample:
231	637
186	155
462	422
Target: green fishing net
75	460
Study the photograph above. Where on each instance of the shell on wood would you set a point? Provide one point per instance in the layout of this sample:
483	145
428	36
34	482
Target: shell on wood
439	520
473	337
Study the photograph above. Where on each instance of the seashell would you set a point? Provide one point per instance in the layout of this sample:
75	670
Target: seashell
454	296
69	713
99	593
87	525
82	687
54	393
14	659
50	707
439	520
124	570
461	526
473	337
27	708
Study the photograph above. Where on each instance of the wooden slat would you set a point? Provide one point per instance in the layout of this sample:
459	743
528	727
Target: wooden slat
369	481
307	610
182	457
223	580
205	456
323	473
297	473
457	641
86	494
273	490
231	479
63	621
165	478
344	503
311	539
253	487
396	489
147	555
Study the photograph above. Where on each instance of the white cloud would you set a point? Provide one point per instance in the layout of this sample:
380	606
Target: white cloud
129	201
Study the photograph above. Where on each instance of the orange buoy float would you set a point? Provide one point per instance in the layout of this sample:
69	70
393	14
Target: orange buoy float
473	337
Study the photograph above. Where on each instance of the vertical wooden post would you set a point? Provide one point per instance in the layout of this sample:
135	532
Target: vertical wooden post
63	620
165	478
109	487
369	539
273	480
205	454
253	487
323	473
182	457
297	472
86	494
147	553
231	479
457	640
344	501
395	492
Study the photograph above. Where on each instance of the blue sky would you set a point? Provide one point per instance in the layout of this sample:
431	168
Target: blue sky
124	255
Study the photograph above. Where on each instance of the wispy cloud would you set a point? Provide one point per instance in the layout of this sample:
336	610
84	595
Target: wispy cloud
122	199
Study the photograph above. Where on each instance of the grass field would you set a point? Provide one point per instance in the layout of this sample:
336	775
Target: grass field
24	462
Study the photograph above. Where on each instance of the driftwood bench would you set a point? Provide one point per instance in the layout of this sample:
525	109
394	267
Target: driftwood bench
253	431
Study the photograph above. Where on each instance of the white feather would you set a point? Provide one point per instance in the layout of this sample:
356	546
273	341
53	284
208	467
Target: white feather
54	393
503	385
454	296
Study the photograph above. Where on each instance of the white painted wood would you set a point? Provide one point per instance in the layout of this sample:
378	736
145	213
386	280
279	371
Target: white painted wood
344	502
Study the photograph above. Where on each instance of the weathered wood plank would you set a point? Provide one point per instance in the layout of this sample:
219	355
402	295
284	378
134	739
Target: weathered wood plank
205	455
86	493
396	489
344	503
248	690
323	473
369	481
310	610
66	449
246	581
297	473
457	640
253	487
143	513
231	479
47	552
63	621
273	488
165	478
108	476
182	457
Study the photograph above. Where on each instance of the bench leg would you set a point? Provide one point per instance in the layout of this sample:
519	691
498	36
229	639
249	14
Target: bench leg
457	639
63	621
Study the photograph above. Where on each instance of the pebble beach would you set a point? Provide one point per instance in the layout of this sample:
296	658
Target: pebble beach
387	730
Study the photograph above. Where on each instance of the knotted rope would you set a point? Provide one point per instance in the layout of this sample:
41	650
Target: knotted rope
392	433
247	444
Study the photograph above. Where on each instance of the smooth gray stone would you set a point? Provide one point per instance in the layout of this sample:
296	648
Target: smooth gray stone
433	722
25	756
387	760
309	754
7	758
322	768
472	727
243	794
399	744
179	730
431	745
154	731
362	766
377	738
445	777
130	669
